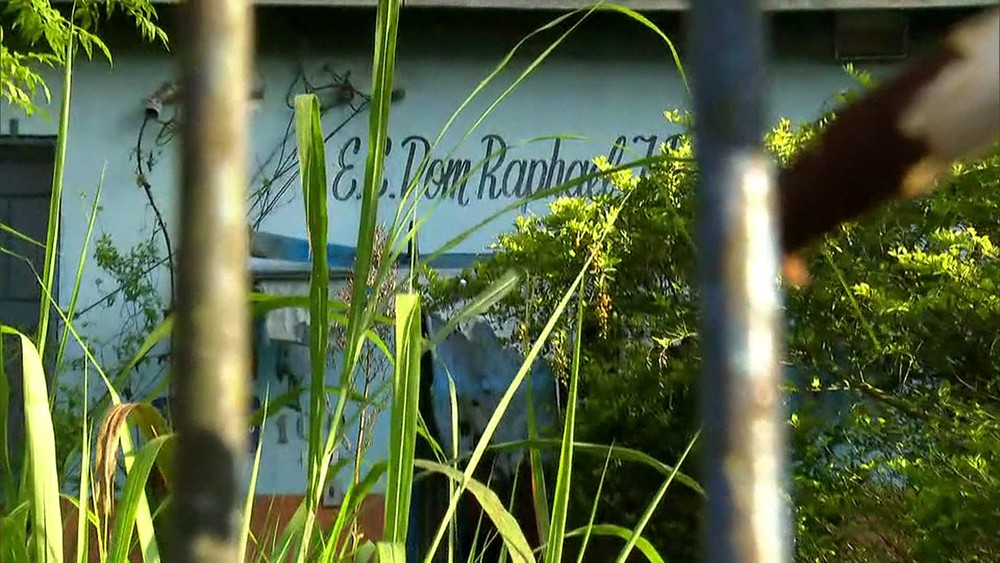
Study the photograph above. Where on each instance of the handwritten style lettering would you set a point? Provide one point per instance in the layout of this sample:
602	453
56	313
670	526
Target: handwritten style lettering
494	175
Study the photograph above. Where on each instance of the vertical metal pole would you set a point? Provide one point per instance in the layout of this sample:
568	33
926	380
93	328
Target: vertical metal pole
212	335
741	311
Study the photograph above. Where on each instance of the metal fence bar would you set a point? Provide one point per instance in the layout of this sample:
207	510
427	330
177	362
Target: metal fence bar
212	334
741	312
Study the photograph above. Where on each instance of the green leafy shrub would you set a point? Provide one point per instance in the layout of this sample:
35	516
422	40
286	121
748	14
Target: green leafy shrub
41	32
639	362
898	338
892	357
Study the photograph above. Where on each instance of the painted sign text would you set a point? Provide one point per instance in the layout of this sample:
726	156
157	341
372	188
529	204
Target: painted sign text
495	175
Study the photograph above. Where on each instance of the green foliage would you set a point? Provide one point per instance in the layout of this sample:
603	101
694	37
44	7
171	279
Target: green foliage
142	311
42	486
41	34
41	28
21	81
141	303
639	364
899	440
895	343
892	349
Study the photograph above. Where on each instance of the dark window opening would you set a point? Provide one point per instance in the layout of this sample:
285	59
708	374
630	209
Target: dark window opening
26	168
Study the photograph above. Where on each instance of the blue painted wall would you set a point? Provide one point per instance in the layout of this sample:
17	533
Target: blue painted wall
612	84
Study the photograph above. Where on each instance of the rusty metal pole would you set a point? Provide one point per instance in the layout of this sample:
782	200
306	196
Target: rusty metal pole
742	406
212	362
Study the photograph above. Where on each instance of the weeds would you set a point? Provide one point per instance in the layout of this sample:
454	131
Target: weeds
123	517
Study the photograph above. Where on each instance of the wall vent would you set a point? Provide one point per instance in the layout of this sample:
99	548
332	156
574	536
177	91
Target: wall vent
872	35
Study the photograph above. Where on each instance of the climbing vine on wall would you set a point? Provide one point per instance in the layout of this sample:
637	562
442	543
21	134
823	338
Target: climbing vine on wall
131	272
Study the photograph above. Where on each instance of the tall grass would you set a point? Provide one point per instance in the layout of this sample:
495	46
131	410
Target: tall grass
133	513
37	498
312	164
362	308
43	489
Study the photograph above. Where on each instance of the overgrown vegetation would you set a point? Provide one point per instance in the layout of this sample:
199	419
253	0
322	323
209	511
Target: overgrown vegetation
893	358
40	34
893	364
639	367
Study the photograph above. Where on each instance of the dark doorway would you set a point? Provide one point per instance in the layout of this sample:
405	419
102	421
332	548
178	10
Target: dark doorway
26	167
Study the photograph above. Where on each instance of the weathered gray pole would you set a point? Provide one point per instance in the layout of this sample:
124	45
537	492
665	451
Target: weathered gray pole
741	314
212	363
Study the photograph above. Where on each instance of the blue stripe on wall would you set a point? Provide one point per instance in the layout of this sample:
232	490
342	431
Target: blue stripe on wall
292	249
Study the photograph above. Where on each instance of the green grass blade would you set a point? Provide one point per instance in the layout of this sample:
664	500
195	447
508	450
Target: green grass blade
505	523
620	453
46	516
539	491
390	552
261	303
5	228
75	293
527	71
383	66
163	330
9	486
504	552
85	510
501	408
144	519
652	26
348	509
486	299
453	403
398	239
365	552
417	192
312	163
403	422
244	539
560	504
361	307
55	201
291	535
387	23
505	400
290	398
633	539
14	545
614	530
82	545
593	508
468	100
425	434
133	493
